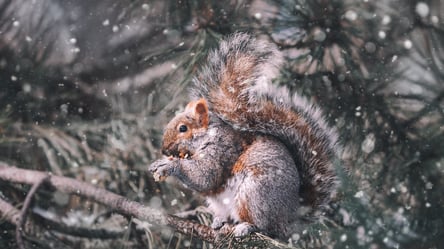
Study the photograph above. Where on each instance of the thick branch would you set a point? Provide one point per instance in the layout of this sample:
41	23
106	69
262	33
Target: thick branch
127	207
72	186
109	199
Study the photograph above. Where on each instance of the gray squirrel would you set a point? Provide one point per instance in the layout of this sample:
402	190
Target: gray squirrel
264	159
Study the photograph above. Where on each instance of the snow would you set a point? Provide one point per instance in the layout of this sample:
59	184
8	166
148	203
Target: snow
370	47
351	15
422	9
408	44
319	35
386	20
368	145
26	88
382	34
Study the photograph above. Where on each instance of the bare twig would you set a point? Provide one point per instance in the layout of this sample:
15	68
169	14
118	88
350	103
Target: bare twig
22	218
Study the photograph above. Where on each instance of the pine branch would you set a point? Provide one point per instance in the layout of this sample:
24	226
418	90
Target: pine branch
126	207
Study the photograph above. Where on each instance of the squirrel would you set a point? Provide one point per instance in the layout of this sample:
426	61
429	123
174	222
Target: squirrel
263	159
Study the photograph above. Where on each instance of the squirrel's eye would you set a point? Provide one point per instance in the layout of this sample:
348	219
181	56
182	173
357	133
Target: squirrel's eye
183	128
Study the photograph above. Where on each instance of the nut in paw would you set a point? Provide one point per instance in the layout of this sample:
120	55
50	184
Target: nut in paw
157	177
161	168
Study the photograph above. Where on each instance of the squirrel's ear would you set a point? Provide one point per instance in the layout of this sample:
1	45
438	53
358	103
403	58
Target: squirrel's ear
201	112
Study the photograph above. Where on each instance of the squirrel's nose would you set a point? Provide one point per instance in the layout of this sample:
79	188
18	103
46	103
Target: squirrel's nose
166	148
170	150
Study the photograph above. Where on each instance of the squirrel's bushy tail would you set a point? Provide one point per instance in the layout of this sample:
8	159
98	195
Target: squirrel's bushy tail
236	82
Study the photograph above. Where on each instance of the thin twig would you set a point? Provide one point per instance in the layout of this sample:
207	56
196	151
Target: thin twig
20	228
9	212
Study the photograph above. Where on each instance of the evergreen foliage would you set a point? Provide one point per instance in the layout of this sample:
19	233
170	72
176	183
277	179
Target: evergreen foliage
86	87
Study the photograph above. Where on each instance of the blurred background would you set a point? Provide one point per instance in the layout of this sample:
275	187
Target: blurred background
87	86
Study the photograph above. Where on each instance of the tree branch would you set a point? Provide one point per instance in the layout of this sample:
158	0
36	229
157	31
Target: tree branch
124	206
109	199
72	186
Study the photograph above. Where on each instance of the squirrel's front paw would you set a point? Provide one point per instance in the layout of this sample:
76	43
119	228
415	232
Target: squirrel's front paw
162	168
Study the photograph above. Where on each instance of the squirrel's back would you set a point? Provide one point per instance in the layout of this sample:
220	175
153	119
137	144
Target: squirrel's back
237	83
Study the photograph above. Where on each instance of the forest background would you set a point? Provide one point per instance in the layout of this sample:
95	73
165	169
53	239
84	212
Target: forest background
87	86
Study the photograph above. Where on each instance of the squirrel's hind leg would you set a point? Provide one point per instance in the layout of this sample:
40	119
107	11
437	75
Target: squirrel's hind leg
243	229
268	196
218	222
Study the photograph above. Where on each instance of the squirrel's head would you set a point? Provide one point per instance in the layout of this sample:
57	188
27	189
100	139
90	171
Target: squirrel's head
181	130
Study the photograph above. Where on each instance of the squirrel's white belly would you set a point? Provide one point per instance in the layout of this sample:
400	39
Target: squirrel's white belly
225	203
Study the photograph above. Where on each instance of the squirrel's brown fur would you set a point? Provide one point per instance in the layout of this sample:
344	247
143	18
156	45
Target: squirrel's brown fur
264	159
